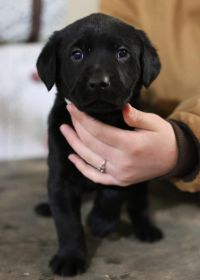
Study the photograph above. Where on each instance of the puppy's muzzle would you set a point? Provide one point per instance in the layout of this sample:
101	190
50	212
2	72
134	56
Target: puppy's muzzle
99	82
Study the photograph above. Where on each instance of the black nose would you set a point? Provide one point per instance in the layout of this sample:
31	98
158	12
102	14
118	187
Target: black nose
98	82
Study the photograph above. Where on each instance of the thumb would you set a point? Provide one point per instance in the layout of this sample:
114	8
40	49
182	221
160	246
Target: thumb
141	120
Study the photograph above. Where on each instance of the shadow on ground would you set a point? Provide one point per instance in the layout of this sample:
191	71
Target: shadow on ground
28	241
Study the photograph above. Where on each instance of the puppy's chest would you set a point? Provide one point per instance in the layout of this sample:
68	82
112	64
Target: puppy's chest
114	119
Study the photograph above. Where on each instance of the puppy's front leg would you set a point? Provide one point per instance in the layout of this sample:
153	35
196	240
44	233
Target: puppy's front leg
138	210
104	216
65	205
64	198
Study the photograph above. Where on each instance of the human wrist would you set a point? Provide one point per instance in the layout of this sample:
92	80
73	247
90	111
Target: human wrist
187	154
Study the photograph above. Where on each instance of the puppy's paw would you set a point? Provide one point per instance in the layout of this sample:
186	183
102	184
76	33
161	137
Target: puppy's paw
67	265
43	209
148	233
101	226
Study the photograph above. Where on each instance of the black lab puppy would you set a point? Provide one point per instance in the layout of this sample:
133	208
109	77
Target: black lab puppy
99	63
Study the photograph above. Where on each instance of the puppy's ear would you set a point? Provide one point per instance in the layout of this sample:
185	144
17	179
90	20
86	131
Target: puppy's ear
46	63
150	62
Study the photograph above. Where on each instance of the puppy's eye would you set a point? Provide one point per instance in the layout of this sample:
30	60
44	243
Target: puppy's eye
122	54
77	55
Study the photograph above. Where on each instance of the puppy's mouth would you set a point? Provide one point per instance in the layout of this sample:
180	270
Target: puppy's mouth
99	107
96	107
99	104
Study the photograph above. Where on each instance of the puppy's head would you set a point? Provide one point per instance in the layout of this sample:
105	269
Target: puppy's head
98	62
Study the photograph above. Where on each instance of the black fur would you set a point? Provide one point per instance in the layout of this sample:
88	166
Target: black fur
100	64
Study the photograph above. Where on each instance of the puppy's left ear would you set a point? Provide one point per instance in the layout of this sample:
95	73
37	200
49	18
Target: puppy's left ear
46	63
150	62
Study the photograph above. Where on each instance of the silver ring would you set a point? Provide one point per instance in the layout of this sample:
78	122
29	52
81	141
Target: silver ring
102	168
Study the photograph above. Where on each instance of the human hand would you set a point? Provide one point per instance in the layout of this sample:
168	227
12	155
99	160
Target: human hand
131	157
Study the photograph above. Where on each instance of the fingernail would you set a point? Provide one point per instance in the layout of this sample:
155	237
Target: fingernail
69	107
127	108
71	157
65	128
62	127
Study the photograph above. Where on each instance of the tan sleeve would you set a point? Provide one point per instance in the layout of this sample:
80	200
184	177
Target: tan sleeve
173	27
188	112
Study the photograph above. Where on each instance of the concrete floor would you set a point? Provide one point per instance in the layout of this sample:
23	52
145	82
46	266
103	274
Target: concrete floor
28	241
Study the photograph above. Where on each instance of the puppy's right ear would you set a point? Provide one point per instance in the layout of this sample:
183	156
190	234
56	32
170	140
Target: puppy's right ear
46	63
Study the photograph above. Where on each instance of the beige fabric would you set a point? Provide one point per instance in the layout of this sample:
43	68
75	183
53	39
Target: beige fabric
189	112
174	28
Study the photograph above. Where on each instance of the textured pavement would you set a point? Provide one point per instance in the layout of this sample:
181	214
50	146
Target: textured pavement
28	241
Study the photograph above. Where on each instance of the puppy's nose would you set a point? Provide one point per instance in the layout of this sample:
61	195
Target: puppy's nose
98	82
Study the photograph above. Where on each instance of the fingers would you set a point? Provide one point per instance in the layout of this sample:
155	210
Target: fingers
85	153
141	120
90	149
92	173
86	161
103	150
106	134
